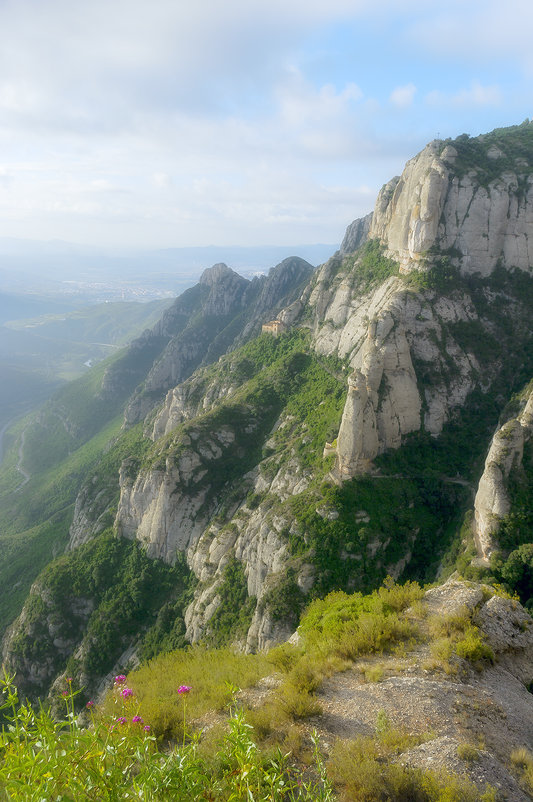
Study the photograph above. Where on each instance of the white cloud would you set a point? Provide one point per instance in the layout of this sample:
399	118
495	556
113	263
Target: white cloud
474	95
161	180
159	121
403	96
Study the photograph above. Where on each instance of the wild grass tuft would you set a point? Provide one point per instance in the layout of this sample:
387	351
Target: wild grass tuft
523	759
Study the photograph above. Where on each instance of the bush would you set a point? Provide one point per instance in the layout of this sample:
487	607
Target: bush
359	774
467	752
353	625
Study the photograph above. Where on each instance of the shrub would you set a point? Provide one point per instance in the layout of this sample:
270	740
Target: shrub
523	759
472	647
352	625
467	752
359	774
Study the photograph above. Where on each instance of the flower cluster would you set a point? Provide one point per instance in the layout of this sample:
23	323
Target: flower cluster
126	693
120	679
184	689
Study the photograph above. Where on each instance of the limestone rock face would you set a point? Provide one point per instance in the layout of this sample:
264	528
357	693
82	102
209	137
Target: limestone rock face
255	538
434	203
57	635
408	210
492	499
383	334
91	514
356	234
165	507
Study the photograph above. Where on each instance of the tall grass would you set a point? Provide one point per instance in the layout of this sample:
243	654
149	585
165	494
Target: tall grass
117	758
213	673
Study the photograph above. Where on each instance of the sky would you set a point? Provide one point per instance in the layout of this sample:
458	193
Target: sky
165	123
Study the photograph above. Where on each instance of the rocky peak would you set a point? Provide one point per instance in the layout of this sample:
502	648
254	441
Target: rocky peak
280	284
356	234
213	275
471	198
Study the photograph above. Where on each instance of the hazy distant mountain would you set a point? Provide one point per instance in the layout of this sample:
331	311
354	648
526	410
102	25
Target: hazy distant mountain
66	269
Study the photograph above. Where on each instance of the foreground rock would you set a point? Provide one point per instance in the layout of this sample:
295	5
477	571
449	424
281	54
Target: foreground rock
485	706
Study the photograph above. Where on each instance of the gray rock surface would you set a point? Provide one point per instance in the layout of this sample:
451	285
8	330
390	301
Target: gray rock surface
492	501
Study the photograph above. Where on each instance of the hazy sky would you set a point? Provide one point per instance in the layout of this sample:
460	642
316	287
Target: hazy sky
162	122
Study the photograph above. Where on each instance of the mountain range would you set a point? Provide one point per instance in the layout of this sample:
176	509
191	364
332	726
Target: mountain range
211	479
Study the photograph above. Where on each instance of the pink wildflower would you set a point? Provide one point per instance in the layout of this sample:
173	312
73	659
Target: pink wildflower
120	679
89	704
122	720
65	693
68	679
126	692
146	728
184	689
137	720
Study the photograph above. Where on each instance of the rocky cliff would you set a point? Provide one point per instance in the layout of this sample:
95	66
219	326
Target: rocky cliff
414	348
505	457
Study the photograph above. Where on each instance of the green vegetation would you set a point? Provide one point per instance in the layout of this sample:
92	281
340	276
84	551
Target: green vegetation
513	566
72	441
455	636
105	592
355	532
233	616
141	745
118	758
436	273
76	413
360	773
213	673
351	625
523	760
370	266
514	142
35	519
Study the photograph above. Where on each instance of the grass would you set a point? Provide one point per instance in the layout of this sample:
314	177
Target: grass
117	758
212	673
454	638
177	692
362	771
522	759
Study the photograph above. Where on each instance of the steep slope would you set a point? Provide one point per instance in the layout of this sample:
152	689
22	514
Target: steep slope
345	449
